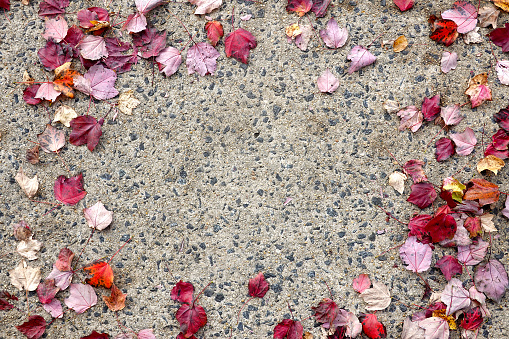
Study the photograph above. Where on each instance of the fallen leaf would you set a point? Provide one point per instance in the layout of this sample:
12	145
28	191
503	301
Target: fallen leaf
435	328
302	40
473	254
449	266
29	186
441	227
202	59
320	7
22	231
238	44
397	181
29	248
361	283
327	82
444	149
117	60
372	327
65	258
502	119
52	7
25	277
411	118
505	211
182	292
487	223
54	307
148	334
417	225
422	195
47	290
326	313
62	279
33	328
64	80
301	7
69	190
411	330
378	297
400	44
81	297
102	274
443	31
96	335
464	14
464	142
53	55
391	106
116	301
503	71
138	22
333	36
491	163
93	18
488	15
455	296
191	318
64	114
93	47
29	94
473	37
289	329
404	5
500	37
415	255
478	90
414	169
127	101
150	42
360	58
98	217
449	61
98	82
258	286
56	29
456	187
205	6
491	278
472	319
482	190
47	91
214	31
473	226
451	115
86	130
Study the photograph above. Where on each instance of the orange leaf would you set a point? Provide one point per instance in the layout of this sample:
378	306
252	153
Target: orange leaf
481	189
64	79
116	301
102	274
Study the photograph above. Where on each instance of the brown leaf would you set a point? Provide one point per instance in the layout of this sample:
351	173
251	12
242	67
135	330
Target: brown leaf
51	139
503	4
29	248
116	301
400	44
22	231
127	102
482	190
33	155
479	90
488	15
491	163
65	114
29	186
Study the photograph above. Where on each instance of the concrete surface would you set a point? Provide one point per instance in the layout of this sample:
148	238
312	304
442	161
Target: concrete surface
199	173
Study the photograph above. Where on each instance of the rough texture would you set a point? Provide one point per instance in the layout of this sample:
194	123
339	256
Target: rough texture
199	173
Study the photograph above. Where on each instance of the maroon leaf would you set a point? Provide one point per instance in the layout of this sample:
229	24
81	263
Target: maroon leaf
183	292
500	37
150	42
441	227
238	44
7	295
5	4
52	7
502	118
69	190
258	286
89	17
73	37
289	329
417	224
414	169
54	55
191	318
116	60
422	195
500	140
472	319
326	312
491	150
4	305
182	336
29	94
340	333
449	266
431	107
52	139
33	328
372	327
86	130
301	7
46	291
96	335
445	148
320	7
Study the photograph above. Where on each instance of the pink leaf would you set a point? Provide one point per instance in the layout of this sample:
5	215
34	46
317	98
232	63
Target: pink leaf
416	255
86	17
360	57
52	139
93	47
288	328
144	6
55	29
414	169
463	14
473	254
98	217
98	82
54	308
491	279
69	190
62	279
135	23
52	7
465	141
404	5
455	296
202	58
46	291
445	148
169	60
451	115
422	195
449	266
435	328
333	36
320	7
46	91
431	107
411	118
238	44
82	297
361	283
246	17
449	61
327	82
505	211
503	71
146	334
64	259
205	6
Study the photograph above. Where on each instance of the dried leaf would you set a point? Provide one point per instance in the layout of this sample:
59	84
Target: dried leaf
411	118
333	36
29	186
29	248
491	279
473	37
478	90
488	15
327	82
360	58
102	274
491	163
52	139
25	277
482	190
449	61
400	44
64	114
378	297
397	181
487	223
98	217
116	301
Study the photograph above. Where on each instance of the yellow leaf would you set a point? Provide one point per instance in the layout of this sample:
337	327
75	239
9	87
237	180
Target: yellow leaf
503	4
293	31
491	163
457	188
400	44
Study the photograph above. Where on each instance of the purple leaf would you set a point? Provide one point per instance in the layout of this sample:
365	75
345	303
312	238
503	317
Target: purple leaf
320	7
327	82
150	42
445	148
202	59
54	308
455	296
415	255
82	297
360	57
451	115
98	82
465	141
333	36
491	279
474	253
169	60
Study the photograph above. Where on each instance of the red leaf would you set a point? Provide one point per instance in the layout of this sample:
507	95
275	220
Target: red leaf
326	312
491	150
150	42
238	44
320	7
417	224
431	107
191	318
500	37
449	266
414	169
289	329
482	190
4	305
422	195
73	37
5	4
214	31
86	130
46	291
404	5
69	190
102	274
181	336
258	286
96	335
500	140
473	226
33	328
372	327
29	95
301	7
472	319
441	227
64	260
444	31
54	55
52	7
183	292
502	118
361	283
445	148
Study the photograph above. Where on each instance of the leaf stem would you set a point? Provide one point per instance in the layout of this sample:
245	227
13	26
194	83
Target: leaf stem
119	250
79	256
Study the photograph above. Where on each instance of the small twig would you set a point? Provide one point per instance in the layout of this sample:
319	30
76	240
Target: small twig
119	249
79	256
